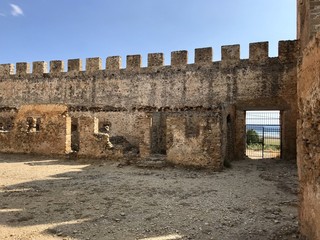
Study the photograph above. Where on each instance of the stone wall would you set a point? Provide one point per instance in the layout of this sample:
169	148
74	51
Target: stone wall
308	21
94	144
40	129
257	83
308	140
195	140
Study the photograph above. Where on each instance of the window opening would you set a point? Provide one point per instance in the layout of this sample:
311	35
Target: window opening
33	124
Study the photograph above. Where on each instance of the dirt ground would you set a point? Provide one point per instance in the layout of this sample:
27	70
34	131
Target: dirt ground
47	198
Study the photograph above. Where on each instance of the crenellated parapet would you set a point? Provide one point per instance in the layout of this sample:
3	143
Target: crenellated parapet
230	55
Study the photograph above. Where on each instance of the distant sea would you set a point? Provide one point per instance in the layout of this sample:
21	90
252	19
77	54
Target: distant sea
269	130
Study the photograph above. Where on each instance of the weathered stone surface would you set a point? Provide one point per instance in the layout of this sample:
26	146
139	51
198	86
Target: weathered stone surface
94	144
230	53
259	52
22	68
93	64
74	65
179	58
194	140
113	63
6	70
56	66
203	56
308	140
50	136
134	62
171	89
308	20
155	59
39	68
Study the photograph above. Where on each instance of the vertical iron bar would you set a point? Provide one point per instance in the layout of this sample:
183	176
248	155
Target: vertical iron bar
262	142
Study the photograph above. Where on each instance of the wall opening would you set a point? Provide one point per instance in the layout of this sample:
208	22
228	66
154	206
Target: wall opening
6	125
158	133
192	127
75	135
229	142
33	124
263	134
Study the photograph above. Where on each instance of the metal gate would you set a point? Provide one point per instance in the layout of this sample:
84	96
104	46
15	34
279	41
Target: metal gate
263	134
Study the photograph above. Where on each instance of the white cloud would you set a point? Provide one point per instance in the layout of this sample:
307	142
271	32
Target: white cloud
16	10
2	14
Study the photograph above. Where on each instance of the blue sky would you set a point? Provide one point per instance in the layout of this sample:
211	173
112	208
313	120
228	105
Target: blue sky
263	117
43	30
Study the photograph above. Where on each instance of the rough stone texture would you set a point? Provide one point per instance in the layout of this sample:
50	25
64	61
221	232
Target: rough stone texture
259	52
144	131
6	70
203	56
308	23
56	66
93	64
179	58
74	65
113	63
122	124
93	143
52	136
22	68
155	59
195	88
288	51
230	53
308	141
196	142
134	62
39	68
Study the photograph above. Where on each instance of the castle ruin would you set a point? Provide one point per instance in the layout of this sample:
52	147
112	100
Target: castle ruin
193	114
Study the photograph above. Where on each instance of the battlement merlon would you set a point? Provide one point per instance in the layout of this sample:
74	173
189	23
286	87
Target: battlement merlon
134	62
22	68
6	70
230	53
155	60
56	67
203	56
39	68
93	64
288	52
113	63
258	52
179	58
74	65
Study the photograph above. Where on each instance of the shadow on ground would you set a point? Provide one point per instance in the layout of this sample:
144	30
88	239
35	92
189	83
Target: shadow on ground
50	198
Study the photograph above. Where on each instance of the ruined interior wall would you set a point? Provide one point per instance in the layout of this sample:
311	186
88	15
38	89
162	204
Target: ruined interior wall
7	116
51	138
201	86
308	140
123	124
92	143
197	142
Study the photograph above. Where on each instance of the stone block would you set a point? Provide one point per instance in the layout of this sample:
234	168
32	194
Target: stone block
203	55
155	59
179	58
134	62
113	63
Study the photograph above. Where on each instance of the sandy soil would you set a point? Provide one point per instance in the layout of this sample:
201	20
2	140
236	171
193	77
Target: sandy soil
45	198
